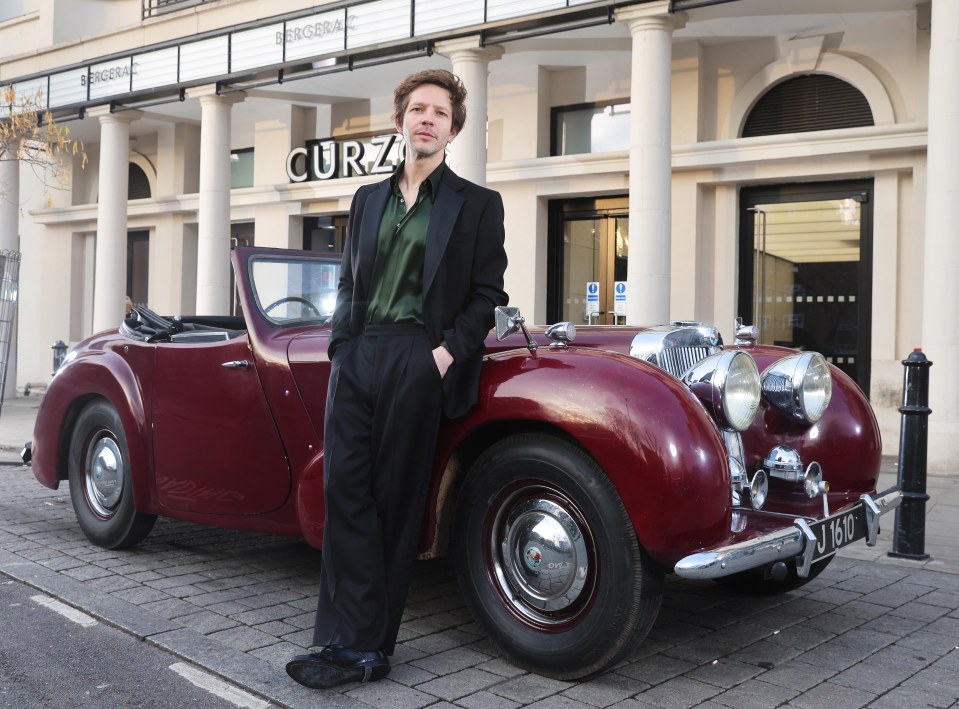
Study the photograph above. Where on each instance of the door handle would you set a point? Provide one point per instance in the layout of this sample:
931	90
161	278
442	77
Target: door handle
237	364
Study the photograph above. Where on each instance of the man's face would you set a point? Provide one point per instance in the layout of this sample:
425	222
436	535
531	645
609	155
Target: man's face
427	124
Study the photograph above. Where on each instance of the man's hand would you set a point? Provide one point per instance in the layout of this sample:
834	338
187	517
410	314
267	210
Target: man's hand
443	359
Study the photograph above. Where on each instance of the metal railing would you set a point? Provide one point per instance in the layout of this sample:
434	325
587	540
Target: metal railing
152	8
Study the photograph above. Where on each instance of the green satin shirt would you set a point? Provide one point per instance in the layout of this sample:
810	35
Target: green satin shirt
396	293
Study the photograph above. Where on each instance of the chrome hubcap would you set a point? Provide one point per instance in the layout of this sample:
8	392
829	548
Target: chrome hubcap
540	558
104	479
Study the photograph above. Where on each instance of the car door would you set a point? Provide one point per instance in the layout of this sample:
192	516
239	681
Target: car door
216	445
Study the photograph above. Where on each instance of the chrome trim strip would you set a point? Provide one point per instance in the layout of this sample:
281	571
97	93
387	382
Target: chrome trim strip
782	545
875	508
775	546
804	560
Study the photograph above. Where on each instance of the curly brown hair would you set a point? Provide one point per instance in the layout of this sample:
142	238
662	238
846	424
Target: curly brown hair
438	77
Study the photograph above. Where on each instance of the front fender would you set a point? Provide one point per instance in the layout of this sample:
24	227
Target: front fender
652	438
845	442
96	372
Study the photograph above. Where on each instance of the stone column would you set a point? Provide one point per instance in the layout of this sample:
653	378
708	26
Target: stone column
650	161
940	327
9	203
10	241
213	246
471	65
110	265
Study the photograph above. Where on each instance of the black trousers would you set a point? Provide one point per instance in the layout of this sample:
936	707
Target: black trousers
382	415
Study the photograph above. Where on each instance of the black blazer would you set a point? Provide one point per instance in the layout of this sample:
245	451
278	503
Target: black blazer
462	276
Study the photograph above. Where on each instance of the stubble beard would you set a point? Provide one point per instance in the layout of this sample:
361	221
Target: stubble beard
413	153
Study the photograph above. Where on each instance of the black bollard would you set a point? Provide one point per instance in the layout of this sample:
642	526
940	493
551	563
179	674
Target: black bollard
59	352
909	536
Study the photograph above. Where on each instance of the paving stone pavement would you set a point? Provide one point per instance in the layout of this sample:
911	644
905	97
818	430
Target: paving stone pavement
869	631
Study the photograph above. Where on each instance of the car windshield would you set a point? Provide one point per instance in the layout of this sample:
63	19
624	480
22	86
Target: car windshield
295	290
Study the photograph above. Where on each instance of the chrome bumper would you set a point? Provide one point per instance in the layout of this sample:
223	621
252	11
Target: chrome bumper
789	544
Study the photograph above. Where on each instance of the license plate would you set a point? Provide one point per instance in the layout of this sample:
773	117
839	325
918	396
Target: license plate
839	530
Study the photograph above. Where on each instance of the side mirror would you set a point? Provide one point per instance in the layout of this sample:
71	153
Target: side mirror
506	322
509	322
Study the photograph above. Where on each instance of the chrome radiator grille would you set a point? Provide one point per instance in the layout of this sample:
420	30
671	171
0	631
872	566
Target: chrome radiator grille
676	360
677	346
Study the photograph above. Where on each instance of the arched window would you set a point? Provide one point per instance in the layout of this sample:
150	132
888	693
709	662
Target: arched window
808	103
139	187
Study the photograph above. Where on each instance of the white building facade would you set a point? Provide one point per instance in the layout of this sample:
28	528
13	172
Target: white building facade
784	161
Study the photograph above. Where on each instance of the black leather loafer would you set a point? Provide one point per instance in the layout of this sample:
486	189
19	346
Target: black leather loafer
337	665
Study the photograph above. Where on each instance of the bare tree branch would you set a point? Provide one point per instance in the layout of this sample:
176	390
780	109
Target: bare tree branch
29	133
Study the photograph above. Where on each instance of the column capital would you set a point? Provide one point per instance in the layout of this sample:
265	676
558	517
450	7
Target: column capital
209	92
469	46
106	115
653	15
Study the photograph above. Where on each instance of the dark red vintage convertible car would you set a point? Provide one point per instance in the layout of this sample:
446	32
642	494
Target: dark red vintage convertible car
587	471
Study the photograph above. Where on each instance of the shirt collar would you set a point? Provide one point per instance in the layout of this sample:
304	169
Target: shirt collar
433	179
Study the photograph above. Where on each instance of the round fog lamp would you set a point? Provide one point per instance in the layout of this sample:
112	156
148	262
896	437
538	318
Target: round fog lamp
813	482
758	489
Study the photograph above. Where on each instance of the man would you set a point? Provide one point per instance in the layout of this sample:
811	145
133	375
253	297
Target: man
422	273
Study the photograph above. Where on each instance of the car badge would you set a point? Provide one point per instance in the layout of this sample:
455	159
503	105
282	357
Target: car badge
534	557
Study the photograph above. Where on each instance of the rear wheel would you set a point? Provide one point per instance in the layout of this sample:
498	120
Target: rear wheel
548	560
100	482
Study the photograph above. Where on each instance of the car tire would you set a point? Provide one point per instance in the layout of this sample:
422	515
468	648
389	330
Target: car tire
548	559
101	486
757	583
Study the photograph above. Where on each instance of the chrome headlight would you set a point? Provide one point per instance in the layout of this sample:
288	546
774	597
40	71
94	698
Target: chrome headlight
561	333
728	384
800	385
758	490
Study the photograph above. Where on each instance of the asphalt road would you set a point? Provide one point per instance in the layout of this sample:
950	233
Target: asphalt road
52	655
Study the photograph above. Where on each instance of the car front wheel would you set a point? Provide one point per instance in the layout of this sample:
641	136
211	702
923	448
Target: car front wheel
100	480
548	560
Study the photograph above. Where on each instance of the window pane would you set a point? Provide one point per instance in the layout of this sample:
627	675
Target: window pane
241	168
621	256
807	257
581	263
295	290
593	129
138	266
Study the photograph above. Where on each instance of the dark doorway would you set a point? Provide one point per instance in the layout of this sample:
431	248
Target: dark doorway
138	266
325	233
588	243
805	271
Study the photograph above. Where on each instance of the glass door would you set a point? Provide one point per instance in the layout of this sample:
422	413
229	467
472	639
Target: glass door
588	255
805	270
